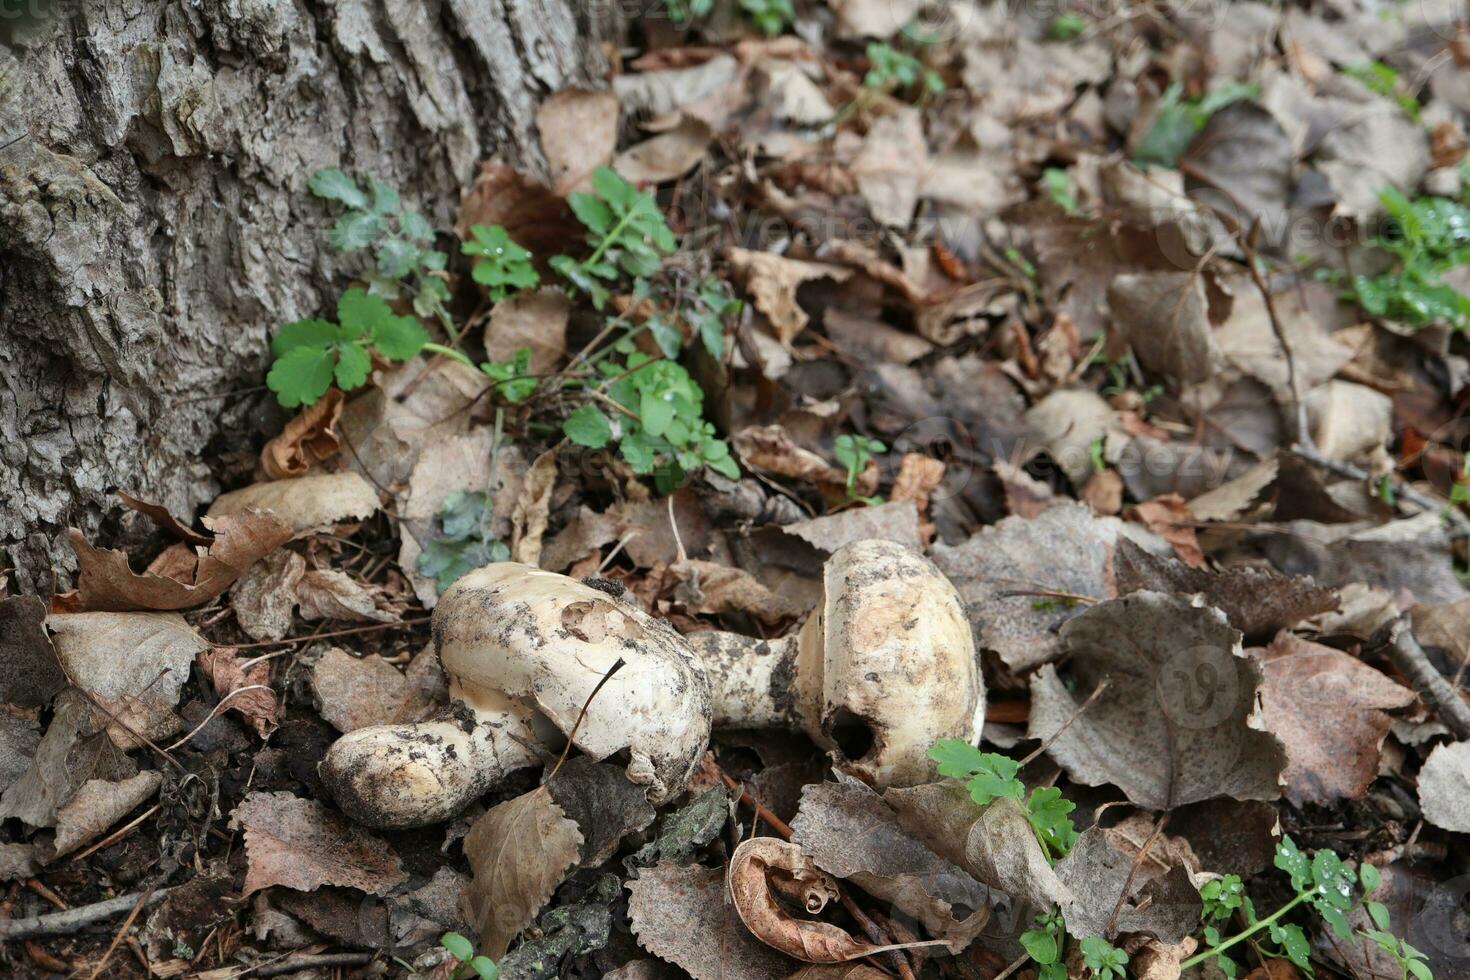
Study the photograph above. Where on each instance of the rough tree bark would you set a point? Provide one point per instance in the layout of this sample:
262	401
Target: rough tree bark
155	224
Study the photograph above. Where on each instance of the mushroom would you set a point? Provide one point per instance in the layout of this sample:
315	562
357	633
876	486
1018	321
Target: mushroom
883	668
524	649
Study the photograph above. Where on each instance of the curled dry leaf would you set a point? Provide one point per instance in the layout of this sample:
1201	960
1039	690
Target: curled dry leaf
182	576
1177	722
305	505
302	845
97	805
771	447
71	752
764	866
1327	708
684	915
519	851
667	156
228	673
528	520
772	281
307	439
709	588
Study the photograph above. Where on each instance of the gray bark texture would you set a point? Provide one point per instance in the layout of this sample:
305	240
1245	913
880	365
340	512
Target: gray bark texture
156	227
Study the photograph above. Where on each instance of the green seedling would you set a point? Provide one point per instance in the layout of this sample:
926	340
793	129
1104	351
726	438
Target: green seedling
514	383
501	265
1045	944
989	776
854	453
1066	26
400	240
681	12
466	542
771	16
892	70
1058	184
1179	120
1382	79
469	963
1428	237
710	306
626	231
1103	958
311	354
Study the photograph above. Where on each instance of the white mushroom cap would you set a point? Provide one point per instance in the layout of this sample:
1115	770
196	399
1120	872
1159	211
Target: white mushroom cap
549	640
899	670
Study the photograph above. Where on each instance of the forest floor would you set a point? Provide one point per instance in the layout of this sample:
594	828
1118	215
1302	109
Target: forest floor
1133	336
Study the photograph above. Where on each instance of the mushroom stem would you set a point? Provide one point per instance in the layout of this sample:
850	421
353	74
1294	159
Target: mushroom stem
751	680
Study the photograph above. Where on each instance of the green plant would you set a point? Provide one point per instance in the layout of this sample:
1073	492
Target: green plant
627	233
1103	958
709	305
466	542
1383	80
500	265
311	354
464	951
514	382
1178	120
400	240
1428	237
681	12
989	775
890	69
771	16
1045	944
660	424
854	452
1066	26
1058	184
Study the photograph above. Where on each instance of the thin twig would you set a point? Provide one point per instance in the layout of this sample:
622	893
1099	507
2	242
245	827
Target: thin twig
1138	860
777	824
215	711
1409	657
127	924
1066	724
1459	524
296	964
74	920
400	624
117	834
876	935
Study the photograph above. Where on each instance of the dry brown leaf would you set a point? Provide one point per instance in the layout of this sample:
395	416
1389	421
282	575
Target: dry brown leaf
918	477
1257	601
519	851
667	156
1177	722
1164	317
710	588
891	165
326	593
18	861
751	878
873	18
134	664
1170	518
838	971
579	132
893	521
1327	708
1068	424
1348	421
1026	496
97	805
161	516
309	438
849	831
684	915
227	673
603	802
1444	787
356	692
72	751
1103	493
772	281
302	845
20	736
1164	905
1150	959
181	577
534	319
533	504
771	447
537	219
29	673
305	505
1065	549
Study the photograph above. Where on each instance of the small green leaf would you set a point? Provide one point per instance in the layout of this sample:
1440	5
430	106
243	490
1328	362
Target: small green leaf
301	375
483	966
304	333
1040	946
399	337
587	426
355	230
459	947
334	185
353	366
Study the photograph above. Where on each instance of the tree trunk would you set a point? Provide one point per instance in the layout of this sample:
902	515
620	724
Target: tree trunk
155	225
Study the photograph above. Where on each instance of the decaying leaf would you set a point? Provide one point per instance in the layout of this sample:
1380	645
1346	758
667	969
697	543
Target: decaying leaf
1257	601
1444	787
134	664
1069	424
849	832
687	829
72	751
756	867
182	576
603	802
771	447
534	319
579	132
1327	708
1063	551
519	851
684	915
1164	317
528	520
307	439
20	735
1165	906
536	218
29	672
1178	720
302	845
230	674
772	281
667	156
891	165
710	588
305	505
97	805
355	692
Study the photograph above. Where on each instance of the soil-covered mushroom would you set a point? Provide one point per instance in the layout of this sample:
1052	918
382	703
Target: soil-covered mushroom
523	650
883	668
